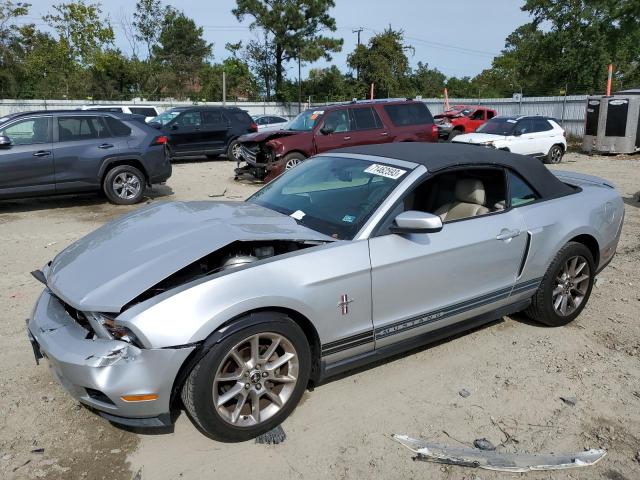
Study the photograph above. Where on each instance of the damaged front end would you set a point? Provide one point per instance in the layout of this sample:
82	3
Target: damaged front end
263	152
258	158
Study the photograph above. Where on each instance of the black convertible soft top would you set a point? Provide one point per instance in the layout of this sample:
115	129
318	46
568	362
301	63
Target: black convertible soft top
439	156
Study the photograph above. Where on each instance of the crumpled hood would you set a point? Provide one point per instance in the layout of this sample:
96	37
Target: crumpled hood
268	135
477	138
117	262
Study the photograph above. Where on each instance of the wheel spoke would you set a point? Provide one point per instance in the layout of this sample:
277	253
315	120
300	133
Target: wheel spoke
237	358
580	279
279	362
580	268
283	379
274	397
255	350
272	348
563	305
556	291
229	377
255	407
557	302
241	402
229	394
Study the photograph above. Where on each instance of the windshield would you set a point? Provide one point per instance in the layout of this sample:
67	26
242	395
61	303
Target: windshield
498	126
305	121
166	117
332	195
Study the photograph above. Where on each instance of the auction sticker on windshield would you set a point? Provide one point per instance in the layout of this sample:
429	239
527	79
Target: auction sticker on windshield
298	215
385	171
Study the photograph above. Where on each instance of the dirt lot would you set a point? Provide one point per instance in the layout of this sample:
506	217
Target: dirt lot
516	372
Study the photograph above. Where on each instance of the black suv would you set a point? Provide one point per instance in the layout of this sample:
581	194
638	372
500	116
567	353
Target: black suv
66	151
209	131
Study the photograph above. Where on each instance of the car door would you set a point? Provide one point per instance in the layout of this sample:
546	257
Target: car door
81	143
544	136
522	141
184	132
215	127
367	127
423	282
476	119
26	165
339	134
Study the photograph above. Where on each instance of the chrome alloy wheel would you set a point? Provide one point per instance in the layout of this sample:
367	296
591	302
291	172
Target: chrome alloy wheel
126	185
235	151
572	285
255	379
294	162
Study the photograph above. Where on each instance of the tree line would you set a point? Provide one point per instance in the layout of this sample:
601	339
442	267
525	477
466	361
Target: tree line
566	47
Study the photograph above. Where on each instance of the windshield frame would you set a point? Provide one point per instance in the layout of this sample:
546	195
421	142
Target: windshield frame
364	222
302	115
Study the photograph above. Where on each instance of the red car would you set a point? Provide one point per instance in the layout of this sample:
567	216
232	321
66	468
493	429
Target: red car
462	119
268	154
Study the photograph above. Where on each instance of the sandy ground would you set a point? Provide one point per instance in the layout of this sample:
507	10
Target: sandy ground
515	370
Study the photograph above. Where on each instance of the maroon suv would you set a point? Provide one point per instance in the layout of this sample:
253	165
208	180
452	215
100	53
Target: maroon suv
268	154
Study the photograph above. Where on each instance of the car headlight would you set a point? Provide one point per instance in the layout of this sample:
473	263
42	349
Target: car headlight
107	329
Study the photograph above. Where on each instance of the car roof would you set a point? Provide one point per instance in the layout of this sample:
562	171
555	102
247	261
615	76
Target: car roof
439	156
379	101
522	117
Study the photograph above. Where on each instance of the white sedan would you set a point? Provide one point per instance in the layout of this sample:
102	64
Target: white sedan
540	137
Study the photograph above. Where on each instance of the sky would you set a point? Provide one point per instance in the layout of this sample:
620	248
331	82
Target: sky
458	37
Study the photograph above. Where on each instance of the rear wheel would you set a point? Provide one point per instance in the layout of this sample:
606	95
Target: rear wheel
124	185
555	154
250	382
293	160
565	288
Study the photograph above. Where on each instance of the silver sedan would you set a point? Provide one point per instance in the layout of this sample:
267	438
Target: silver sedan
232	309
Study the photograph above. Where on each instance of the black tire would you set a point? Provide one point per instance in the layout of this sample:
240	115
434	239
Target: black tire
231	148
112	180
292	160
197	395
555	154
542	309
453	134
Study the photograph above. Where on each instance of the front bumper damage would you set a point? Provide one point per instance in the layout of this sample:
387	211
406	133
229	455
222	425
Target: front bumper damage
260	161
98	373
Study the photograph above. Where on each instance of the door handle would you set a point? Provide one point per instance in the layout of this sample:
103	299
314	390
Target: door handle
384	134
506	234
42	153
347	138
105	146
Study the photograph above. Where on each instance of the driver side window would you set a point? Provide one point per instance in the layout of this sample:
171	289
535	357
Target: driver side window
337	121
29	132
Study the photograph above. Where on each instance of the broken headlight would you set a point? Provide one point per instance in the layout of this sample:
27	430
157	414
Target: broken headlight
107	329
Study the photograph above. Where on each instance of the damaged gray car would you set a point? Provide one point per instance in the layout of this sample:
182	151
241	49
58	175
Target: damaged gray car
231	310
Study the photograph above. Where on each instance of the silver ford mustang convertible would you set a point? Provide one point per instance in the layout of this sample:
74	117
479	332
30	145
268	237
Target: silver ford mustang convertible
232	309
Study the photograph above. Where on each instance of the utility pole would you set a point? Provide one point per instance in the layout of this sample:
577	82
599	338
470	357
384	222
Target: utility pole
358	31
224	88
299	85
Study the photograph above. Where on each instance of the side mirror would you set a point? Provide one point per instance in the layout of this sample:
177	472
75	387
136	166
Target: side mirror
174	127
5	141
416	222
327	129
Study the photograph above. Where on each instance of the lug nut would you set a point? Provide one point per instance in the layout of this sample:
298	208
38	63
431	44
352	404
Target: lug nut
247	386
264	374
258	386
246	374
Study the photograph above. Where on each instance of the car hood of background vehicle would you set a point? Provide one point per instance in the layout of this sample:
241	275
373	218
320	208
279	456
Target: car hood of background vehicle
117	262
268	135
477	138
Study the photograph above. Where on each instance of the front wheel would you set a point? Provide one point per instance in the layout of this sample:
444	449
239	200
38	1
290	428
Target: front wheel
565	288
124	185
555	154
250	382
233	151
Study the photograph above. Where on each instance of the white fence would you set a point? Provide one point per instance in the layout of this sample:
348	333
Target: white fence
569	110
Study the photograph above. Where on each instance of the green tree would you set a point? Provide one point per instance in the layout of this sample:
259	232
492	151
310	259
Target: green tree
295	28
261	60
427	82
11	49
148	21
181	48
383	62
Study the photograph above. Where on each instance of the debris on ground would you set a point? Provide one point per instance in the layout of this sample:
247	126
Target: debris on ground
37	450
272	437
492	460
217	195
571	401
483	444
464	393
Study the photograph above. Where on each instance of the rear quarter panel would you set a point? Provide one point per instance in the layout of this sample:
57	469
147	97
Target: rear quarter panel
596	211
